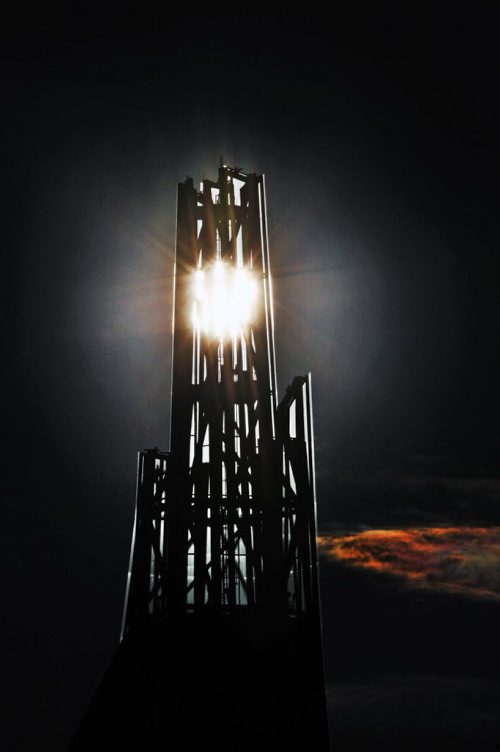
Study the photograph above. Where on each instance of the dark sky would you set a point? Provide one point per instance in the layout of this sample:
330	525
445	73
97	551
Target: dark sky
378	135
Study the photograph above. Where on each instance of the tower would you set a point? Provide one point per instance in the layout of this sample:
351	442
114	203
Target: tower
221	635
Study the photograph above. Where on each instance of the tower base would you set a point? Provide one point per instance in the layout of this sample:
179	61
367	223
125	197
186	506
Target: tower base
234	683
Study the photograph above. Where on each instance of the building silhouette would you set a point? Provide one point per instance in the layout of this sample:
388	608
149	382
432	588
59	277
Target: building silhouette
221	636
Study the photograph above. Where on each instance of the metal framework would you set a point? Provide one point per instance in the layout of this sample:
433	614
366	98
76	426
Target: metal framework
221	635
226	521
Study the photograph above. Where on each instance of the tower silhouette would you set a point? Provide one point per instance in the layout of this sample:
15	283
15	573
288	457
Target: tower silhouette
221	635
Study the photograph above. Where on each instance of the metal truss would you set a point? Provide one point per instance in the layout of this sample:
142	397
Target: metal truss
225	522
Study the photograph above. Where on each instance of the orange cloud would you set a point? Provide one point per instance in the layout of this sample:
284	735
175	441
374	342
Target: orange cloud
458	559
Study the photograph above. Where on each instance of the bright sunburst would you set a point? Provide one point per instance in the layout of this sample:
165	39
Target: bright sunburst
224	299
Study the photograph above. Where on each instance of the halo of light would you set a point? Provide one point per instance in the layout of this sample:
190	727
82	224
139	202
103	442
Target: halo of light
224	299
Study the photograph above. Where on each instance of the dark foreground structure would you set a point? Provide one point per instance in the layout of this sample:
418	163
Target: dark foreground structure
221	639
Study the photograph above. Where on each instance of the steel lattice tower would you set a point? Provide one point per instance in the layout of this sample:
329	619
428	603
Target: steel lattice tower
221	636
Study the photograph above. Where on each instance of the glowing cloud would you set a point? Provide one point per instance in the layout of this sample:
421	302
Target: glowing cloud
458	559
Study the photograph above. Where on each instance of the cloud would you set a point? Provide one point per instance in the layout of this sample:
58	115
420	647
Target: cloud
455	559
429	490
398	711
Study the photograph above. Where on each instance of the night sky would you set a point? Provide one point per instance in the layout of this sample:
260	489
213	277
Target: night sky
378	135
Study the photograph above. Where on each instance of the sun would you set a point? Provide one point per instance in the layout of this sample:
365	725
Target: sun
224	301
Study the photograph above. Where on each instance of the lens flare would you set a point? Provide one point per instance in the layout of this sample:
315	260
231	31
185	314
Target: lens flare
224	300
